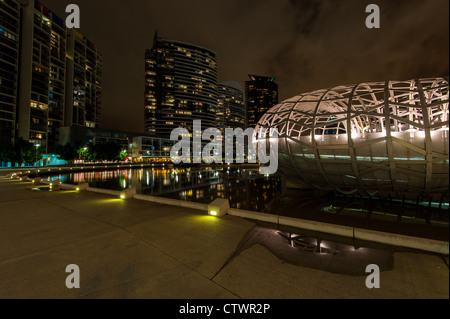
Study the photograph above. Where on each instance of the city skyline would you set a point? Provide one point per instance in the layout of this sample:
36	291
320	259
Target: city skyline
227	151
306	45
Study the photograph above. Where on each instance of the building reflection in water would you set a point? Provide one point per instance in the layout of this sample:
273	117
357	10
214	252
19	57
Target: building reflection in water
246	189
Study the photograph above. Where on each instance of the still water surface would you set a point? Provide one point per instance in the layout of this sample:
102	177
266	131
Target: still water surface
245	188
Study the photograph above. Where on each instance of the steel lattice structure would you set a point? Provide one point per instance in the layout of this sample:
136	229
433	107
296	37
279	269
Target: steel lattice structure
388	138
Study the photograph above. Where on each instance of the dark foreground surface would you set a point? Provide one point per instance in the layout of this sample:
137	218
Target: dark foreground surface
134	249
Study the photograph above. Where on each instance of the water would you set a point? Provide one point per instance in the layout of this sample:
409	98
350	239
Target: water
245	188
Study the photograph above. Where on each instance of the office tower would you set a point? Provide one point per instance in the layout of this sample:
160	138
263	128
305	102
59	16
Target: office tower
9	65
261	95
230	107
83	82
180	86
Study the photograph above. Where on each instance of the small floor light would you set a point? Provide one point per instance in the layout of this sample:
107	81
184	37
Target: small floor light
218	207
128	193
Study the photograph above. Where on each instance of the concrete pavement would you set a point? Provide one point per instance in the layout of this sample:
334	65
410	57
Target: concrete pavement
136	249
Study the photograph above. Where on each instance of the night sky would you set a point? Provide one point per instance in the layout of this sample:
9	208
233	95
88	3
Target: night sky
305	44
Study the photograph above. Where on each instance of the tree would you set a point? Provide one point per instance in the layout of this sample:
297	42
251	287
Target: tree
67	152
20	152
84	152
123	155
109	151
6	152
26	152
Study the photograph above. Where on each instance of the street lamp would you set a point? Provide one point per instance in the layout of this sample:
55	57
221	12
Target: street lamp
37	163
84	155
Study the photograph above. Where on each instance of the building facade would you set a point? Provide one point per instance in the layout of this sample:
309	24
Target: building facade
84	82
9	66
83	136
50	76
230	106
261	94
42	75
180	86
150	149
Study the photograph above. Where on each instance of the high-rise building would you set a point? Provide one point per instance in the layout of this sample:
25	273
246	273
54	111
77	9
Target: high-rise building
59	76
9	66
42	75
180	86
230	107
84	82
261	94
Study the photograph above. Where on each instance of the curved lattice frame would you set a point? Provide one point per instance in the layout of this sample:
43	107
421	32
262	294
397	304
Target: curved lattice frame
383	137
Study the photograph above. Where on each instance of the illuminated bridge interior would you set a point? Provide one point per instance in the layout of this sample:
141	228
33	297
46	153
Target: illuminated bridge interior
388	138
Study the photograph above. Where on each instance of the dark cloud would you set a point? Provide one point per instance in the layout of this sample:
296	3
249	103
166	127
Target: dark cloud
306	44
306	14
412	42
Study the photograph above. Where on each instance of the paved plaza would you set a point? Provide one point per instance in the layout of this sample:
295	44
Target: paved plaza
130	249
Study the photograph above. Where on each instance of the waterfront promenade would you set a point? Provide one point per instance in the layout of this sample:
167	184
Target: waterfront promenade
135	249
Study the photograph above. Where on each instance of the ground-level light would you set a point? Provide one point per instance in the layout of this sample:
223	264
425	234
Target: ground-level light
218	207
